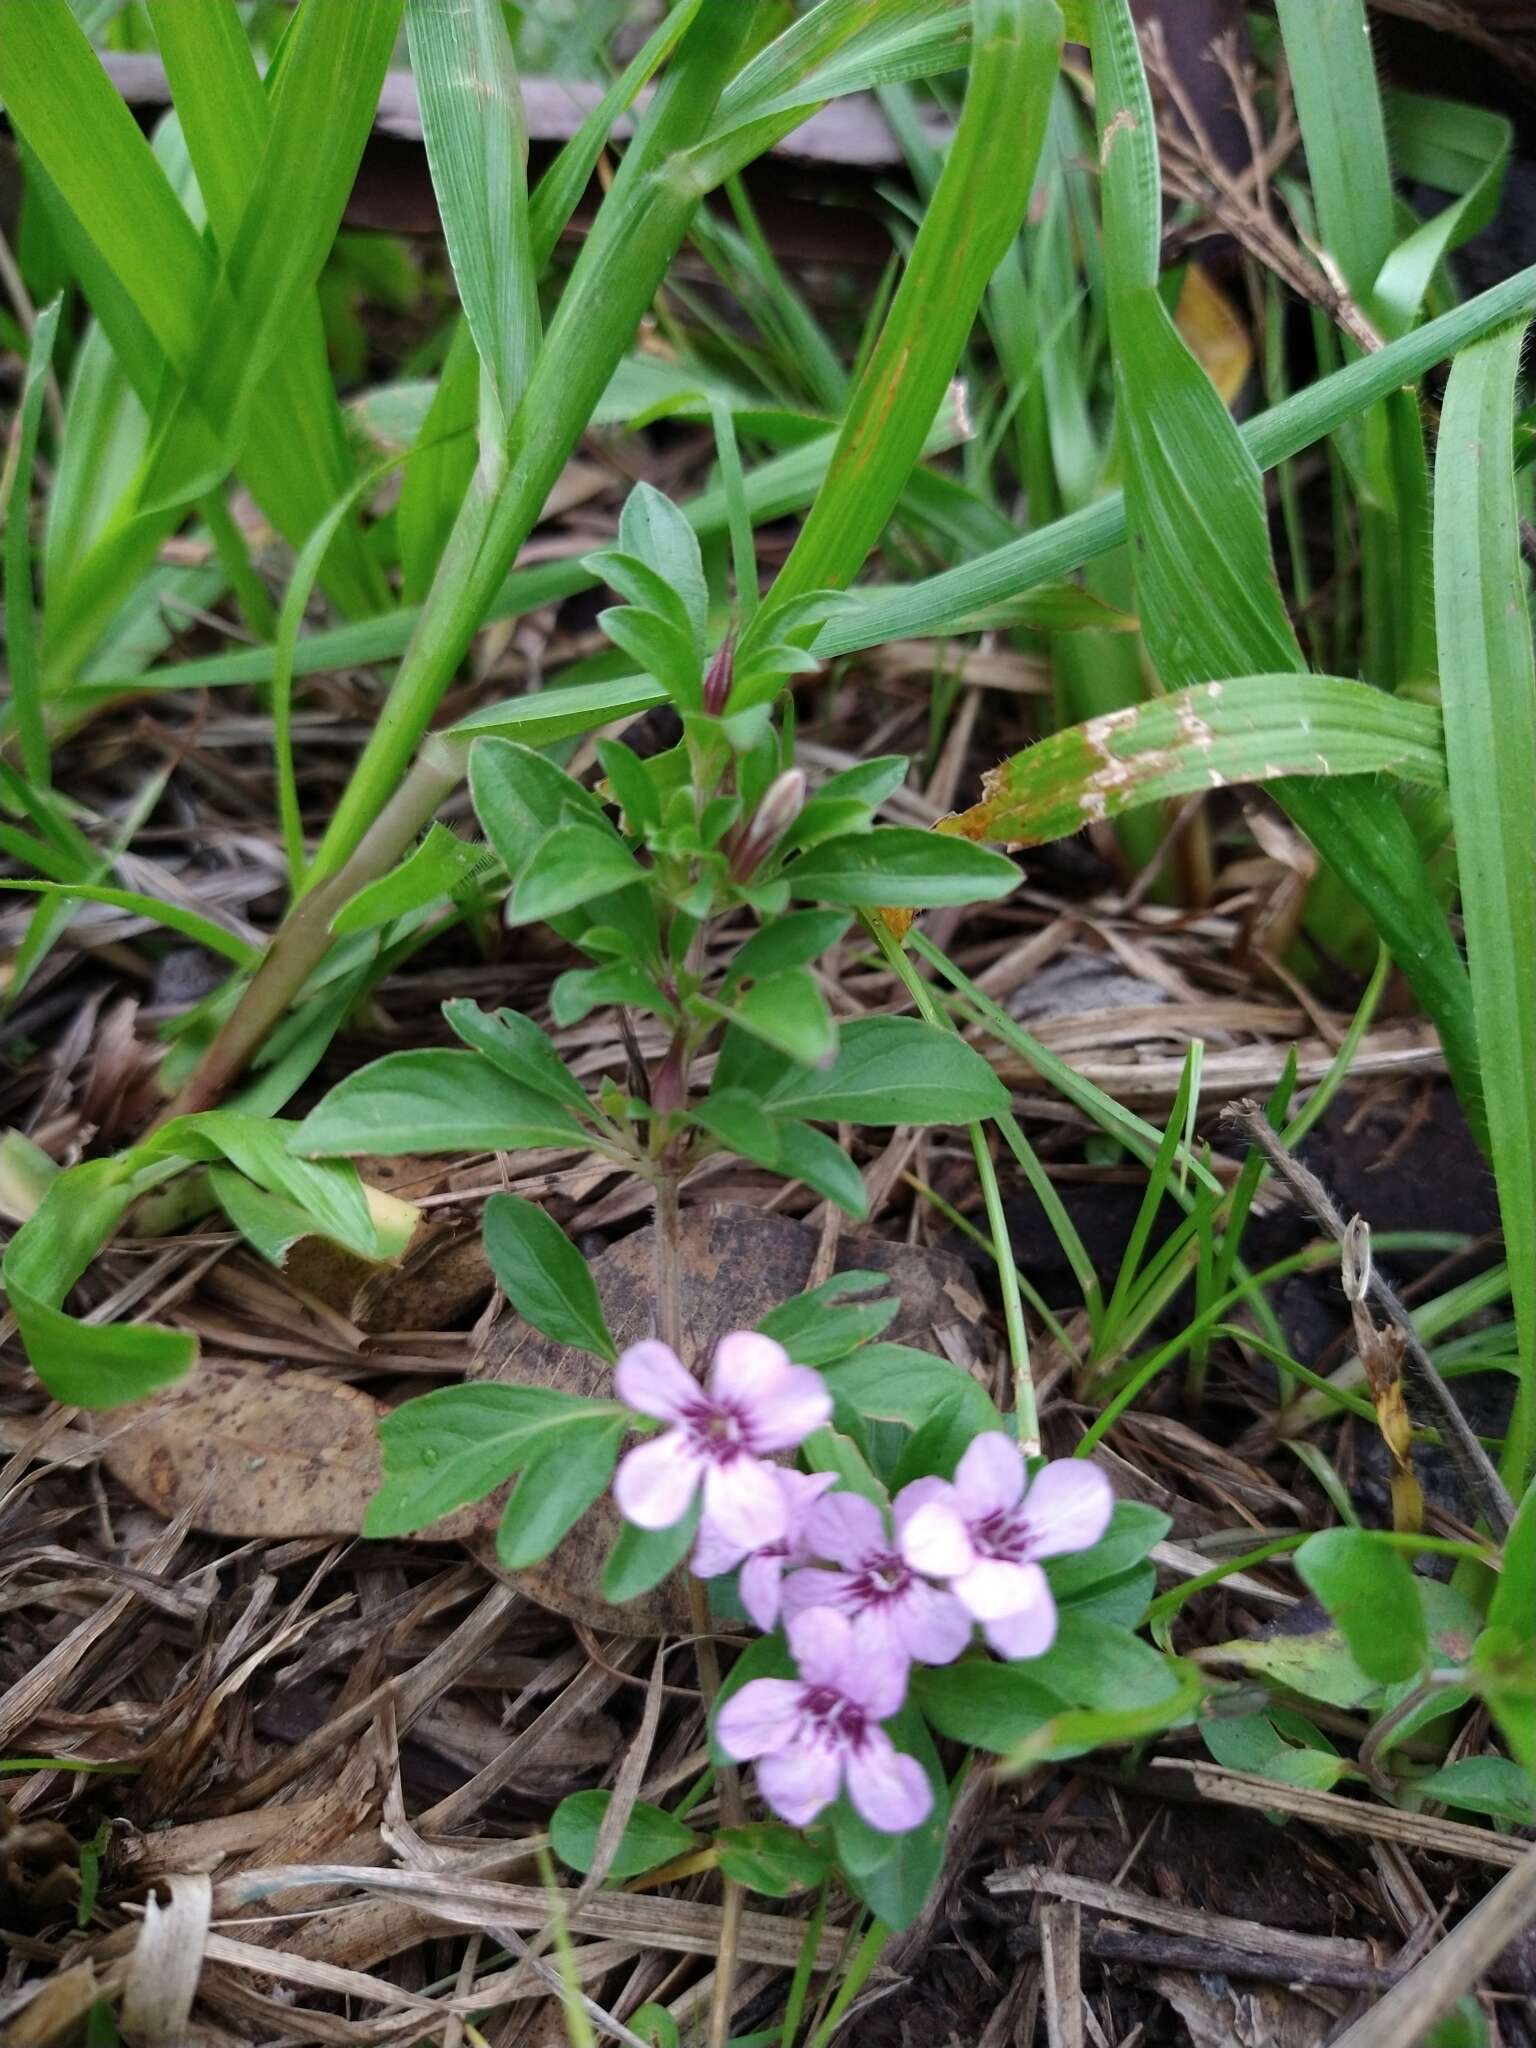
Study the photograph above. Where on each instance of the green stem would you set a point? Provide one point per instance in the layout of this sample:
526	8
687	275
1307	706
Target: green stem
306	932
1026	1411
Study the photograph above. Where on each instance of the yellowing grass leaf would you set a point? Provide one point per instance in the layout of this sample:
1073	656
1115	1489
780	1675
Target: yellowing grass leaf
1246	729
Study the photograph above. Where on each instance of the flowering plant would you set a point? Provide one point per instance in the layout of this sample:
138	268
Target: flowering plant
912	1572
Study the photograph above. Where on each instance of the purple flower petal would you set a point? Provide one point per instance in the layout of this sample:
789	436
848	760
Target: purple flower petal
712	1554
812	1587
875	1677
1068	1506
801	1781
847	1528
889	1789
782	1420
993	1587
655	1483
821	1643
919	1494
761	1589
742	1504
801	1492
651	1378
935	1541
932	1626
761	1717
749	1369
1030	1632
990	1477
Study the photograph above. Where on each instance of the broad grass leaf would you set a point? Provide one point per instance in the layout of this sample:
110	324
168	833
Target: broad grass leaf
1488	695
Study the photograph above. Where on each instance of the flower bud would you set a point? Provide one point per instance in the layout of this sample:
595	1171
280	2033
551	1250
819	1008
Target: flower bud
719	676
782	803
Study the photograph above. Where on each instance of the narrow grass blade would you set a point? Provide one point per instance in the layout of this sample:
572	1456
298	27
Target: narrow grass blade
971	220
557	192
1488	688
941	604
1208	599
20	597
323	104
1333	76
477	147
1245	729
226	118
174	916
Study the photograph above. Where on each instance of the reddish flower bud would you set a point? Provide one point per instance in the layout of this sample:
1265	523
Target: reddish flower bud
719	676
782	803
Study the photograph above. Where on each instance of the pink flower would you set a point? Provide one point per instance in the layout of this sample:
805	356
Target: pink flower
812	1733
1001	1522
897	1614
762	1569
757	1402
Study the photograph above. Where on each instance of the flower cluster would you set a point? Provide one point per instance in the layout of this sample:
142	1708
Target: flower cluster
860	1600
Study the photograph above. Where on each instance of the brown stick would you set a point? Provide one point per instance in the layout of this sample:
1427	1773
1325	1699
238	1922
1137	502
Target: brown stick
1474	1467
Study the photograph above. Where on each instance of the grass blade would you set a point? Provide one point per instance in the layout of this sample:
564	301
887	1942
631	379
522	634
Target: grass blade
940	604
1208	599
323	102
973	217
20	598
477	147
226	118
1246	729
1488	688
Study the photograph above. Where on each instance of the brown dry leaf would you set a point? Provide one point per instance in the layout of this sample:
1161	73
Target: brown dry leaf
443	1275
1214	331
253	1450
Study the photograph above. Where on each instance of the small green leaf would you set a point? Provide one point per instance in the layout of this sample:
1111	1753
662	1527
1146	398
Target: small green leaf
570	866
1483	1784
733	1116
85	1365
775	1860
651	1837
516	1045
789	1012
441	864
642	1558
1370	1591
898	865
896	1383
987	1705
794	940
810	1155
829	1321
893	1070
544	1277
520	797
894	1874
432	1102
457	1444
651	527
1092	1664
554	1490
1133	1530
